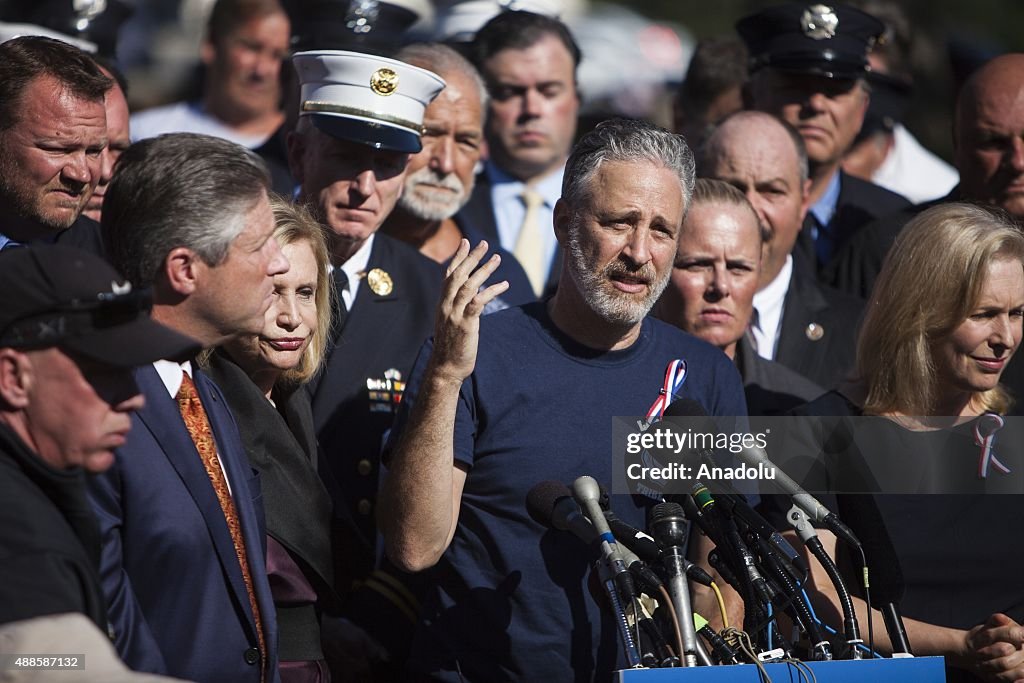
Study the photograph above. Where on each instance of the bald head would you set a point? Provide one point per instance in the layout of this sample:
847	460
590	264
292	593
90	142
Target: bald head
763	157
987	134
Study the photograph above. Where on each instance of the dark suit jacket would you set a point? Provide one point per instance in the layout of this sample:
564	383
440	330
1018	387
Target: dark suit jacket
175	592
859	203
478	216
857	265
771	388
381	333
281	446
824	359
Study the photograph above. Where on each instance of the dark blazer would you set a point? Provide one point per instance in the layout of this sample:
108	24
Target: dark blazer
771	388
859	203
857	265
382	333
478	216
826	352
281	445
176	597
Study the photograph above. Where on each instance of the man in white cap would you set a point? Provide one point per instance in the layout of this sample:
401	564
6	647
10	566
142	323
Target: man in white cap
360	117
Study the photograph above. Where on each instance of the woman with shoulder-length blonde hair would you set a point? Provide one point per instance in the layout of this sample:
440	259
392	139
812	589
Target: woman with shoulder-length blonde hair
261	377
943	322
934	278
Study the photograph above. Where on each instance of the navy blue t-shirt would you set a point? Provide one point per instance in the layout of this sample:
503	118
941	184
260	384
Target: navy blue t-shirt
510	599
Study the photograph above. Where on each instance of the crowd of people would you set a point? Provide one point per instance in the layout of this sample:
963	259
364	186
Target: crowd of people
280	365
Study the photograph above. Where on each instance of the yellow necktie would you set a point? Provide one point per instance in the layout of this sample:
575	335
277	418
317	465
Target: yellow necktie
529	249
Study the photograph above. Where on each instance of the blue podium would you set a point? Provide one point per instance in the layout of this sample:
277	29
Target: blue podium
909	670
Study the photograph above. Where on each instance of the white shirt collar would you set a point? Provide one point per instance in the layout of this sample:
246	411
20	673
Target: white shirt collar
170	374
354	268
768	303
505	186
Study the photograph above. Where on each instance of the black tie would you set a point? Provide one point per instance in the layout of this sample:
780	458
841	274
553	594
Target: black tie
340	310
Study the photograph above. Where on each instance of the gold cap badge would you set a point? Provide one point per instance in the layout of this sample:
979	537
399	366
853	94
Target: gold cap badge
380	282
384	81
819	22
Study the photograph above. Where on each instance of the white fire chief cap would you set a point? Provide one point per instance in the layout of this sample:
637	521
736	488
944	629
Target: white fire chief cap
368	99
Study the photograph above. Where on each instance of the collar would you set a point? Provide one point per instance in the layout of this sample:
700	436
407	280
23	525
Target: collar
170	374
774	292
505	187
355	268
825	207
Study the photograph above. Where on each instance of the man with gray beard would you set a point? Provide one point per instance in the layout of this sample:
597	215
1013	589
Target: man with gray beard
484	419
439	179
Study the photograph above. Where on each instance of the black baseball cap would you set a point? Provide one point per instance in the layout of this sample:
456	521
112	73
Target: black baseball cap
825	40
65	297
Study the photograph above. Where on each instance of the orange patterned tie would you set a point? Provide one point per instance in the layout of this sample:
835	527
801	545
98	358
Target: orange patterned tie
199	428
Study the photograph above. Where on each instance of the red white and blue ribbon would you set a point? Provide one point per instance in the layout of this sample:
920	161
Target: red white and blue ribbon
985	436
675	376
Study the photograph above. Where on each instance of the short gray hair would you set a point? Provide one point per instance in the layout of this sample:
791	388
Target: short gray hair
179	190
626	140
442	60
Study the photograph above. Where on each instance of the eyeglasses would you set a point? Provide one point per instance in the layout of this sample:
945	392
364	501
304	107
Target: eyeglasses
76	317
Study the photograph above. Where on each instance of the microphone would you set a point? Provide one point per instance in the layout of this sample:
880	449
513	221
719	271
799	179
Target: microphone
550	504
587	493
817	512
887	574
730	499
723	651
756	457
801	523
736	542
669	527
646	548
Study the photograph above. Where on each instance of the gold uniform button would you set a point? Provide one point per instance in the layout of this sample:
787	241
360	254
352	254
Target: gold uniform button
364	507
364	467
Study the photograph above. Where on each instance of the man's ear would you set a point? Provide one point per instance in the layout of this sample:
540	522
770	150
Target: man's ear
207	52
181	270
15	379
562	220
805	199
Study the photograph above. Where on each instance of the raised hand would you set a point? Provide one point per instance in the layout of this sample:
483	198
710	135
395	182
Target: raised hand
457	327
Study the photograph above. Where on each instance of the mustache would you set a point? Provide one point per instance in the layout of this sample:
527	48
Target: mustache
620	267
427	176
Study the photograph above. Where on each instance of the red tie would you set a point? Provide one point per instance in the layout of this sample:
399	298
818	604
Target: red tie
198	425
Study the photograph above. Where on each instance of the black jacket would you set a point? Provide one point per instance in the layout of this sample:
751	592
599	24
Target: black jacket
818	338
49	539
859	203
378	343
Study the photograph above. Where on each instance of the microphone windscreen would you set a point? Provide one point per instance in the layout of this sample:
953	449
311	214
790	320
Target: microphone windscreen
665	511
685	407
542	498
